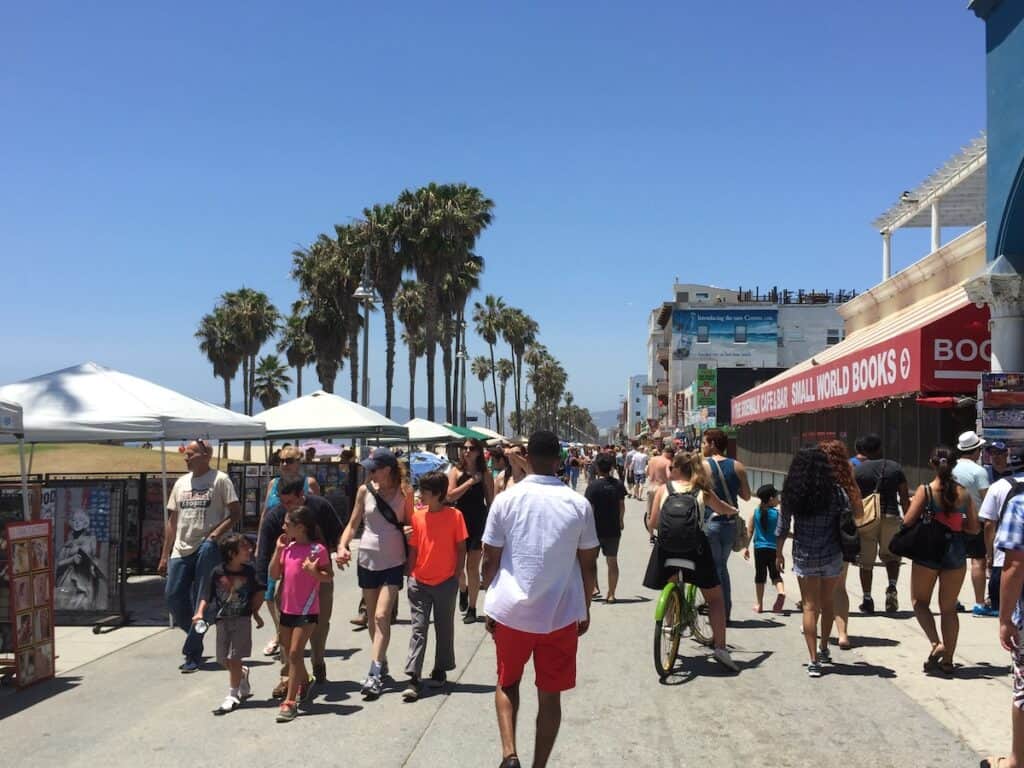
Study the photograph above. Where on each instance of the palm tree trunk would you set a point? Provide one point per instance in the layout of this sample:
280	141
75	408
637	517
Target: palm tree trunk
446	361
412	384
252	383
245	384
353	371
501	407
483	386
227	392
389	334
430	340
494	386
298	381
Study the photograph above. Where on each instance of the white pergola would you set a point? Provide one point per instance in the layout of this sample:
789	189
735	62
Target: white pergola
953	196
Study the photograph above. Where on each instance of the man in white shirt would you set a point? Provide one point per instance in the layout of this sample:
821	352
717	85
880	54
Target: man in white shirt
540	560
969	473
202	505
989	513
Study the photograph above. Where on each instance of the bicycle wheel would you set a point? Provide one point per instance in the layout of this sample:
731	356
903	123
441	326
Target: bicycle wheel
667	632
699	615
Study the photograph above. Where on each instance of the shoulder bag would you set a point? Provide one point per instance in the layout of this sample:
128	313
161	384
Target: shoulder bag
926	539
849	538
388	514
872	517
742	536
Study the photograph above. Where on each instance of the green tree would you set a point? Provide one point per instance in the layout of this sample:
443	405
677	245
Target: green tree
220	348
409	307
505	370
481	368
351	256
323	278
296	344
271	381
253	321
487	318
489	410
456	287
519	330
440	226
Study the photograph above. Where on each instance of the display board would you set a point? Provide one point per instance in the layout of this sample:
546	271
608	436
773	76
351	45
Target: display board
30	568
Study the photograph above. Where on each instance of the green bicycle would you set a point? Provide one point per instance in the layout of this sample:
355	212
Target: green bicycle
681	611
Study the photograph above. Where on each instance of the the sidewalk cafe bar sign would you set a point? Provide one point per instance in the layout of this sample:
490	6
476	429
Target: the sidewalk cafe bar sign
946	356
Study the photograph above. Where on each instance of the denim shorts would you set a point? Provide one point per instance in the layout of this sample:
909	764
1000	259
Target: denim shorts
827	570
953	559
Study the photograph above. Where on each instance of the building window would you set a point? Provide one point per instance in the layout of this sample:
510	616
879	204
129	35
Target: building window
637	414
638	399
740	333
702	334
702	296
832	336
702	366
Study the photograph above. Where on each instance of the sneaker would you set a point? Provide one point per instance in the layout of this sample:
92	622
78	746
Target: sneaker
512	761
271	648
892	602
437	678
463	600
824	656
372	687
289	711
320	673
305	691
984	610
244	688
721	655
470	617
814	669
280	690
960	607
384	669
230	704
412	690
868	605
190	665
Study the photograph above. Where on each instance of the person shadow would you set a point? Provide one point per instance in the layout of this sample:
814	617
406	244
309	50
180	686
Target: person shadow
981	671
858	669
688	668
859	641
754	623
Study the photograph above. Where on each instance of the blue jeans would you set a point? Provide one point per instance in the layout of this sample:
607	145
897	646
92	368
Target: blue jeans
187	579
721	531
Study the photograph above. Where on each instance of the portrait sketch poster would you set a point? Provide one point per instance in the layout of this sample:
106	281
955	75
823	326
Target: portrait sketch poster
30	571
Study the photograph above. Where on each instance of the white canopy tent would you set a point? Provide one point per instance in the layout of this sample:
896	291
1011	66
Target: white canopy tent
91	403
11	423
422	431
323	414
495	437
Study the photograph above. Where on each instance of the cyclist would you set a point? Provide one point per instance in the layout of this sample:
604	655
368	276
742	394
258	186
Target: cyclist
687	475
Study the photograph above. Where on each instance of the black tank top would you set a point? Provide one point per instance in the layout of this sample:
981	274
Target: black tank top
474	500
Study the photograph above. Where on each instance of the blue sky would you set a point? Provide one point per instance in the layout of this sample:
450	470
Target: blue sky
154	155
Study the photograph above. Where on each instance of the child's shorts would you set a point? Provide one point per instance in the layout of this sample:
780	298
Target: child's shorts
234	638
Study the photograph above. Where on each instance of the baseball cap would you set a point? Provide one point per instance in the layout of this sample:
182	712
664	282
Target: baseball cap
998	446
381	457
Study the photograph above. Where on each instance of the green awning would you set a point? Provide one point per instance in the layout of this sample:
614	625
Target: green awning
467	432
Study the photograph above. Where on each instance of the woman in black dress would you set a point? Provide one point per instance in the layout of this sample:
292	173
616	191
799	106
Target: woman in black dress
471	490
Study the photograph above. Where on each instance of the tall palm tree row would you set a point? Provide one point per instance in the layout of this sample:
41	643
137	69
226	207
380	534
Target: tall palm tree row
296	344
271	381
253	321
217	342
488	318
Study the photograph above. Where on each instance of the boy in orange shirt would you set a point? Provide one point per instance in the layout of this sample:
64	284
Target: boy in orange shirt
437	553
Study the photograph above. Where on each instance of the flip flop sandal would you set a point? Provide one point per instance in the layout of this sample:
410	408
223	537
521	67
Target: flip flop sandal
230	704
947	668
845	646
932	664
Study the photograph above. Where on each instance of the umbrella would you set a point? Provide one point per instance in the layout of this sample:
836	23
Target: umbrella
421	462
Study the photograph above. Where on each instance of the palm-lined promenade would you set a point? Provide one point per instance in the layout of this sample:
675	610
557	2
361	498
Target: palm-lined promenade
419	255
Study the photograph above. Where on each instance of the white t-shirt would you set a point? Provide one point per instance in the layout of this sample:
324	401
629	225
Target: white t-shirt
640	463
201	503
973	477
991	506
539	524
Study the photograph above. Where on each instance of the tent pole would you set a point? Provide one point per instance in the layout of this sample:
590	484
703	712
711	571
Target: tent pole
31	455
163	477
25	506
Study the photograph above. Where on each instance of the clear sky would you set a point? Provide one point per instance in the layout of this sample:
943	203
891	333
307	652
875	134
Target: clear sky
155	155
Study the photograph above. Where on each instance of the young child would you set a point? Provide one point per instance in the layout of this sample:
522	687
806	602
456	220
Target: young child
437	554
236	597
762	523
299	564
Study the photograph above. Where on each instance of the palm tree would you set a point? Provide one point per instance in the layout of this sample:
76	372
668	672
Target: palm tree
440	225
322	277
352	257
380	234
505	370
489	410
271	381
295	343
487	319
481	368
253	321
458	284
519	330
409	307
217	343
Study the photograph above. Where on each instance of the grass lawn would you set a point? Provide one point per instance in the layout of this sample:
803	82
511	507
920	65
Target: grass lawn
51	458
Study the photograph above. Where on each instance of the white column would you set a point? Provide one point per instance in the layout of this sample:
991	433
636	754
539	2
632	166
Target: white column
886	254
1003	290
936	227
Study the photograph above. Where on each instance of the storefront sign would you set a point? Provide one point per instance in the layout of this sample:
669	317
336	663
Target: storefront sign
707	386
945	356
728	336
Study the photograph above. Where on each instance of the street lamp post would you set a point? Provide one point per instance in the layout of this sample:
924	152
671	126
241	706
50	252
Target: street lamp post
366	295
462	372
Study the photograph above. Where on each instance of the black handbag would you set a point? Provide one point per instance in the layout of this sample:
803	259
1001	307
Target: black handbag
849	537
925	540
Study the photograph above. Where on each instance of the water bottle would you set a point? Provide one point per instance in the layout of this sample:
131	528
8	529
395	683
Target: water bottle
200	627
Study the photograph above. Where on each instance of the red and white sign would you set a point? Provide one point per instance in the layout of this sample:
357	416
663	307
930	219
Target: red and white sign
947	356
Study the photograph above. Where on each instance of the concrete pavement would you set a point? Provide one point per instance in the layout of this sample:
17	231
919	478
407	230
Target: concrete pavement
874	707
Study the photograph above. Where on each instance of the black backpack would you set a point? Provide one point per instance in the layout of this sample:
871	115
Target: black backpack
679	523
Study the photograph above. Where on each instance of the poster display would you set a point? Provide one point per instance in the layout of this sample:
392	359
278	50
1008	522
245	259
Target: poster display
729	336
1002	412
707	387
82	542
29	569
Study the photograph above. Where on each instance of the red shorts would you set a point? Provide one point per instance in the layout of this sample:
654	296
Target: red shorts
554	657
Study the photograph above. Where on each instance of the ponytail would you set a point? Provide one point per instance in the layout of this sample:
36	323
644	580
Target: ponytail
942	460
690	464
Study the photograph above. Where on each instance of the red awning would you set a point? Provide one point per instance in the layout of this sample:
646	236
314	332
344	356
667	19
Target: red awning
940	345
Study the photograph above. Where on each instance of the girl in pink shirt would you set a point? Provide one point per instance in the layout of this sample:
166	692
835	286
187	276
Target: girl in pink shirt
301	562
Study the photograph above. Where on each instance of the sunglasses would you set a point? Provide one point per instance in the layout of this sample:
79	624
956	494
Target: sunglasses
469	447
289	461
